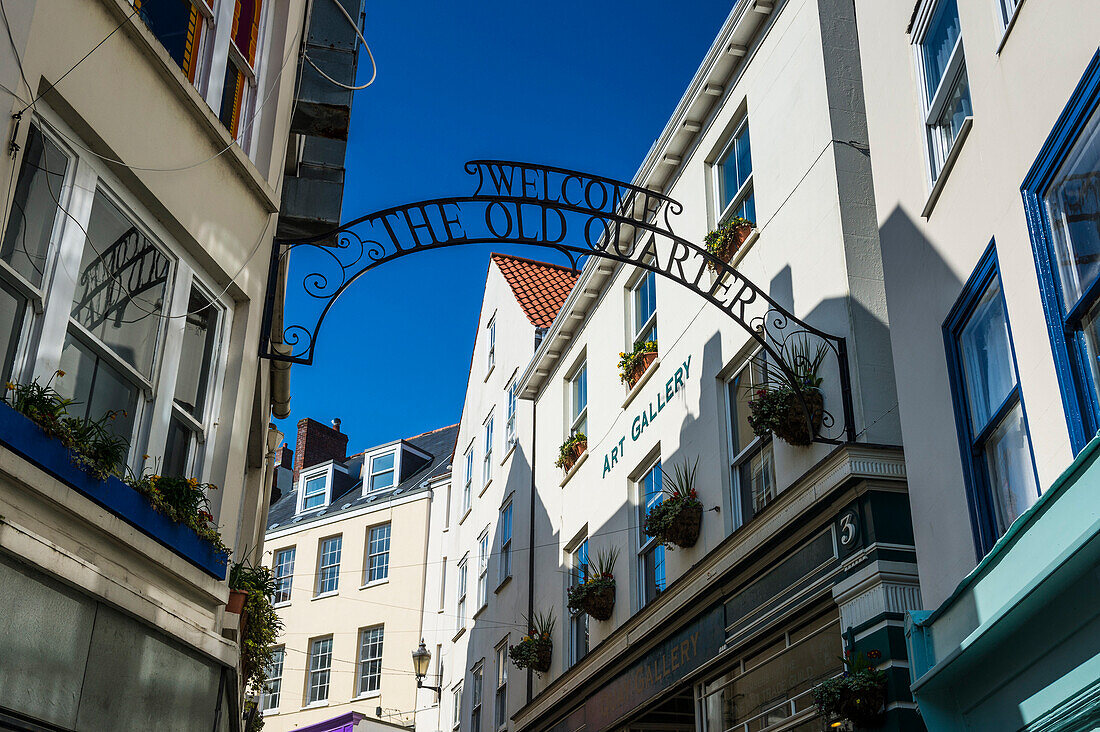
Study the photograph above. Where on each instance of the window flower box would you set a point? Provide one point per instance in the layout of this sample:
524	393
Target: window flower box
727	239
634	364
571	450
24	437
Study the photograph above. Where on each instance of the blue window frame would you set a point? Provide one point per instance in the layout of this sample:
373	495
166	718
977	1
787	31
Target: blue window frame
989	412
1062	199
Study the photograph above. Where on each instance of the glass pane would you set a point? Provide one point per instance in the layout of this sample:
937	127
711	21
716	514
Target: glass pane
177	449
97	388
645	303
34	207
654	561
123	283
987	357
177	25
1011	473
651	494
246	23
12	307
1073	205
736	167
580	392
741	390
955	112
232	96
197	354
315	492
939	41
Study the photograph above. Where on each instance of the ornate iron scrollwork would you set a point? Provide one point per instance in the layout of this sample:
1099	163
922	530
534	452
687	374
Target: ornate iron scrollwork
574	213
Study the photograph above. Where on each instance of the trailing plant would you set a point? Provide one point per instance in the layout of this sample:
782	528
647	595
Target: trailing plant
725	240
571	449
857	695
535	649
781	408
94	448
595	594
631	365
675	520
184	500
260	625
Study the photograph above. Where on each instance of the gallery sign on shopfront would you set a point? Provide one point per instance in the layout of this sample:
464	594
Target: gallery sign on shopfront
660	669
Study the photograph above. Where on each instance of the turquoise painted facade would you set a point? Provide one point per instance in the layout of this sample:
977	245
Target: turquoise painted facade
1017	645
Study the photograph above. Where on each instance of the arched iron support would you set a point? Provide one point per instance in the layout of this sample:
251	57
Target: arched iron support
523	203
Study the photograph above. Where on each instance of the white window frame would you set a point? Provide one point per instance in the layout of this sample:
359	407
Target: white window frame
507	518
460	606
442	584
328	470
278	565
633	292
487	458
371	472
467	488
477	681
314	659
938	151
317	591
256	76
500	694
578	621
361	663
483	569
645	543
758	445
577	419
274	679
456	713
372	555
491	356
510	437
745	190
47	316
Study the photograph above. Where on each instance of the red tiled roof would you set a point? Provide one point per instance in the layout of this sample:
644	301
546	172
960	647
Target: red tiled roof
539	287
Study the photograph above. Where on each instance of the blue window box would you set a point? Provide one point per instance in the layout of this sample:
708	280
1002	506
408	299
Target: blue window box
24	437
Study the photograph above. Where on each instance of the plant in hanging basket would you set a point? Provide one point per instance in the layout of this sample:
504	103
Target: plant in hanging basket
676	519
858	695
571	450
262	628
632	365
724	241
536	648
794	413
595	593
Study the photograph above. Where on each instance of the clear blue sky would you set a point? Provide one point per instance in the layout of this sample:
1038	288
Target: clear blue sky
583	85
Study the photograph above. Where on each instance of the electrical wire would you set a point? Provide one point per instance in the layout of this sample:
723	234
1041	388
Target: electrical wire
363	41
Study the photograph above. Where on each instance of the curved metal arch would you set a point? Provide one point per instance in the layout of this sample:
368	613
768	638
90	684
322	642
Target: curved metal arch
619	221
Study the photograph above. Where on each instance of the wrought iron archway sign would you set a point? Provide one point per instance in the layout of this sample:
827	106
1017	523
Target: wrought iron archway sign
577	214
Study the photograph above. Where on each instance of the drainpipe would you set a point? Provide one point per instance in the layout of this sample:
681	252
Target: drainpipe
531	550
280	370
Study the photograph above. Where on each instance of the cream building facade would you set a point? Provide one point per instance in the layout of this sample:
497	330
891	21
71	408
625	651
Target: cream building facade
145	167
348	545
983	122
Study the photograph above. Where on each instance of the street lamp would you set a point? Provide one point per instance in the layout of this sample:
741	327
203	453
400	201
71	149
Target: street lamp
422	657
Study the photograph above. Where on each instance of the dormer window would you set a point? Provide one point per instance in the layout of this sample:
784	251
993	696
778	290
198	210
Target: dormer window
382	472
313	495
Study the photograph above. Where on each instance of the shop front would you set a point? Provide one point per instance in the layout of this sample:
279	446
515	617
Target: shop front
836	578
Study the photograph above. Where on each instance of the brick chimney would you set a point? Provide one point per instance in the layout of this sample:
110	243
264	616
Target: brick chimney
317	443
286	457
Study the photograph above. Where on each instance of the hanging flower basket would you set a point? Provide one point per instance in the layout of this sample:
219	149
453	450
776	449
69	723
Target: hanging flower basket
595	595
536	648
634	364
571	450
781	412
677	518
727	239
859	695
